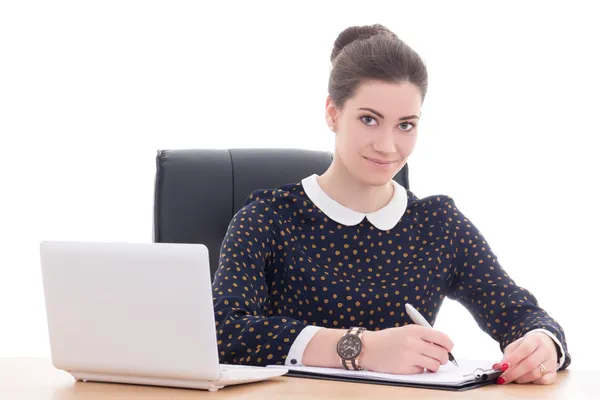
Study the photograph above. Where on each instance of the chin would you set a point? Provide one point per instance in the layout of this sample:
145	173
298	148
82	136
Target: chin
380	181
375	179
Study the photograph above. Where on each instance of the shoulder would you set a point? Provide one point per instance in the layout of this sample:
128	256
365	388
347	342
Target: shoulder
429	204
288	192
275	197
273	202
440	208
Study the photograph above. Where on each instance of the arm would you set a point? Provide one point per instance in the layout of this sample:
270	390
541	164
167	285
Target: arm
246	333
502	309
318	349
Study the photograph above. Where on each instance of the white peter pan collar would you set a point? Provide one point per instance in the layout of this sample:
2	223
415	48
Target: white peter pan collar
383	219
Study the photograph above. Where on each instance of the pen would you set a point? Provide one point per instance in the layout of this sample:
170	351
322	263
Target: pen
418	319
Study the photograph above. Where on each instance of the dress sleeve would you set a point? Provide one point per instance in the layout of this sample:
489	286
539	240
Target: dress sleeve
247	332
504	310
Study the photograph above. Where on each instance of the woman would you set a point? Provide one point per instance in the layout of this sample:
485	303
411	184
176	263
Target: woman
310	267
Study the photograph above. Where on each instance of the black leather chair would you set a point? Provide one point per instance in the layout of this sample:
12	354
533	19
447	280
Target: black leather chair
197	192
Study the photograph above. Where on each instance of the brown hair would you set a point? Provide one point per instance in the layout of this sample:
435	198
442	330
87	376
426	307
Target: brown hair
372	52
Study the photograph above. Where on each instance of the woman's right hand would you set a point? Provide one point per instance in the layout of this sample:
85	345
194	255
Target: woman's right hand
407	349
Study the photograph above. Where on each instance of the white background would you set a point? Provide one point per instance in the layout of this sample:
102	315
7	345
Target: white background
90	90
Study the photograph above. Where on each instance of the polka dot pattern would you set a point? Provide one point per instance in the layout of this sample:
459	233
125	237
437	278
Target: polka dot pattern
285	265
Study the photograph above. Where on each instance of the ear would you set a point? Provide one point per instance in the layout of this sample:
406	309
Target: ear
331	113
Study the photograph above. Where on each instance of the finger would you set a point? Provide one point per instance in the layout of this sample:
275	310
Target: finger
415	370
437	337
522	351
527	365
511	347
536	373
434	351
507	351
427	362
547	379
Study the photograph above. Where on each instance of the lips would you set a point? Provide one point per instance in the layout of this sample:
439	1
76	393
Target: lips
382	162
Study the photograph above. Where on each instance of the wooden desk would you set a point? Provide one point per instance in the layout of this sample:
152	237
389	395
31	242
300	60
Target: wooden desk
33	379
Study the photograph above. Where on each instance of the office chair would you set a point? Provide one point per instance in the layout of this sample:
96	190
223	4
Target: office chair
198	191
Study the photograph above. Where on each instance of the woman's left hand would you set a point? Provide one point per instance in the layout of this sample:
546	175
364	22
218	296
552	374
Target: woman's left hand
523	357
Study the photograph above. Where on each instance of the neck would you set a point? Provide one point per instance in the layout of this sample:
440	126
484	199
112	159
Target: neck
339	184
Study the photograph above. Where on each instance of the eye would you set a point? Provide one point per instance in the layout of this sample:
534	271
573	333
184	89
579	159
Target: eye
368	120
404	124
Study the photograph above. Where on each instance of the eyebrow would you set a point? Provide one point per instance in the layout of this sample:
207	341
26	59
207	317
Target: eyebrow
381	116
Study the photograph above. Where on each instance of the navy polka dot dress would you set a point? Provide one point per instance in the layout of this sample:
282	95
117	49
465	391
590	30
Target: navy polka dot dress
285	265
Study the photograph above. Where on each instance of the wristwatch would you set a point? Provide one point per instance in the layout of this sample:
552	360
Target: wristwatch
350	347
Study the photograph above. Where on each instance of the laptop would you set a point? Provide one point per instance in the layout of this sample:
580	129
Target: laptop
136	313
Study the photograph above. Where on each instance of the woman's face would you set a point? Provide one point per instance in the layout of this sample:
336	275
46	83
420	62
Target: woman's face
376	130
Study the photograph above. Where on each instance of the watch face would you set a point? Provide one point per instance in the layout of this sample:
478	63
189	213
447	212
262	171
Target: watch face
349	347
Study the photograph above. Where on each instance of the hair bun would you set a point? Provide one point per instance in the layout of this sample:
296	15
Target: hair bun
354	33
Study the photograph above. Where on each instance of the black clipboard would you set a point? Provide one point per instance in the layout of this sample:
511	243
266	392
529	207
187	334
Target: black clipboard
480	377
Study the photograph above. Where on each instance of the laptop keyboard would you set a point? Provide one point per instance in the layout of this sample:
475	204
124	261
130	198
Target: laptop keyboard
232	367
243	372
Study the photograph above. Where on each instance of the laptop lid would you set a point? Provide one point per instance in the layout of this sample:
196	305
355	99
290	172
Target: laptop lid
130	308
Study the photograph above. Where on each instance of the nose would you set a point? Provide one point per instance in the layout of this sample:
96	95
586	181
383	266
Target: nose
384	143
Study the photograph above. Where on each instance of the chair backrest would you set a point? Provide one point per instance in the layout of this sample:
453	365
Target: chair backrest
198	191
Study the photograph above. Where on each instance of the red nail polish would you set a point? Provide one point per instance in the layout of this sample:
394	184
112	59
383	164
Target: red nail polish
495	366
505	366
501	381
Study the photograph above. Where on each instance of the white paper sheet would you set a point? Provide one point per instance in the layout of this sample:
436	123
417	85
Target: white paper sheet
448	374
